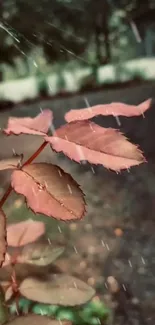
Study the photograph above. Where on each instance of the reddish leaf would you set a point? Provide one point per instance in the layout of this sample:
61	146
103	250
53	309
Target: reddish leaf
114	109
24	232
36	320
49	190
85	140
60	289
37	125
11	163
3	242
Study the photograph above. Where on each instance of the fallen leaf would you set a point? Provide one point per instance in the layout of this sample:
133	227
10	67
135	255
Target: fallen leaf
3	242
38	125
24	232
61	290
36	320
40	254
24	270
115	109
11	163
85	140
50	191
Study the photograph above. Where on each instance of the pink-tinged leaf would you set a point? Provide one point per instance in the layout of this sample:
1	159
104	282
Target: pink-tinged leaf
115	109
85	140
60	289
50	191
22	233
36	320
11	163
38	125
3	242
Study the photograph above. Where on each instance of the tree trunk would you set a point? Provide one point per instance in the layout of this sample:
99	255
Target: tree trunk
98	45
107	43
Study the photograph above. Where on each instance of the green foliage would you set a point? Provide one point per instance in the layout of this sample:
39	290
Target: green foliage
92	313
137	74
42	85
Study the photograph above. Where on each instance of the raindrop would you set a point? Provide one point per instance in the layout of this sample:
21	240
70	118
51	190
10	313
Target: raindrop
49	241
143	261
130	263
69	188
52	128
17	312
93	170
33	190
87	104
118	120
135	31
75	285
35	64
59	229
106	285
41	312
41	187
81	154
7	30
90	125
75	250
14	152
60	321
124	287
102	242
59	171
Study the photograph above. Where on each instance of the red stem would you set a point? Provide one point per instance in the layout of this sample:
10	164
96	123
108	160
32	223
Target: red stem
27	162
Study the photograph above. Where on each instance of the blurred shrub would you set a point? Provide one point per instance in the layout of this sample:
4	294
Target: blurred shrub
93	313
42	85
88	83
137	75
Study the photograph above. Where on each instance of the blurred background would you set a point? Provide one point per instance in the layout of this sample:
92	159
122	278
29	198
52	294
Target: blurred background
62	46
70	54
